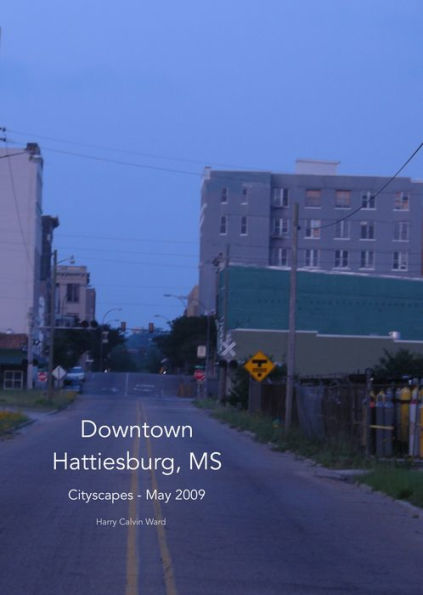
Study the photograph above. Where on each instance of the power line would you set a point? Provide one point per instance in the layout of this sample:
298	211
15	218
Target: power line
381	189
125	239
121	162
11	154
149	264
222	175
127	151
169	305
89	249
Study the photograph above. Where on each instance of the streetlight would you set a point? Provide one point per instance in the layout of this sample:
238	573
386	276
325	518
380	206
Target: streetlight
101	335
108	312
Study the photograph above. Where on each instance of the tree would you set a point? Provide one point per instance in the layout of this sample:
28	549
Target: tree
70	344
396	366
120	360
179	346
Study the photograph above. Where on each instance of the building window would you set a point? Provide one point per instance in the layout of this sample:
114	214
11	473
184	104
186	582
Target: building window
224	195
343	199
400	261
13	379
72	293
244	199
244	226
280	257
342	230
401	201
367	230
401	231
223	229
311	259
312	229
280	226
368	201
341	259
313	198
367	259
280	197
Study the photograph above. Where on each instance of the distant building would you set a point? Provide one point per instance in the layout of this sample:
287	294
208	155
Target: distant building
75	298
49	224
193	306
344	321
246	218
13	360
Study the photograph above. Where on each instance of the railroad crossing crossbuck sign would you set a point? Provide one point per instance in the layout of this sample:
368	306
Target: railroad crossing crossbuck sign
259	366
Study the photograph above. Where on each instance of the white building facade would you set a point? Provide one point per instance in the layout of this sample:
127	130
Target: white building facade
21	173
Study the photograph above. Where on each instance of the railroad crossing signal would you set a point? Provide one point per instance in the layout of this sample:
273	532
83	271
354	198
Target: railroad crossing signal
259	366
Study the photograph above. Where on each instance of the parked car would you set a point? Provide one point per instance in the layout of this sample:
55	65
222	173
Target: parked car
75	374
73	385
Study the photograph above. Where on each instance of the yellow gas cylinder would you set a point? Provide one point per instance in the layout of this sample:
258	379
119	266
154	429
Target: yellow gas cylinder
420	421
414	433
405	396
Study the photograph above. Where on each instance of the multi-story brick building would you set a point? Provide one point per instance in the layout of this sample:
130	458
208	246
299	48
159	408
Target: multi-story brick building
345	222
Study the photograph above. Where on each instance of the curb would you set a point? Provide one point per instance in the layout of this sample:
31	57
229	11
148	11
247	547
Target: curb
346	475
23	424
418	512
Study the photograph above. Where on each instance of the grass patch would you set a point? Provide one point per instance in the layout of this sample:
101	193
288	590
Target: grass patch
337	455
37	399
206	403
397	480
9	420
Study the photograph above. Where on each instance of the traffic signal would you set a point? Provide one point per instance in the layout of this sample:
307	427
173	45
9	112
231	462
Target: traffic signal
123	326
151	327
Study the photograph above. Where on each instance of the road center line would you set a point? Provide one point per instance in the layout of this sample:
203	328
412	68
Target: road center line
131	556
167	564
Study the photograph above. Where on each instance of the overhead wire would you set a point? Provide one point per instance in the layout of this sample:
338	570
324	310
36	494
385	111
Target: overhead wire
127	151
137	165
380	190
125	239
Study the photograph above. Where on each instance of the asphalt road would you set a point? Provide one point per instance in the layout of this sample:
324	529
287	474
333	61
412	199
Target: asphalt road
266	525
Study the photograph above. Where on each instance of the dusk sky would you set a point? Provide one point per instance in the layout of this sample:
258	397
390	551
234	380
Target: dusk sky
162	86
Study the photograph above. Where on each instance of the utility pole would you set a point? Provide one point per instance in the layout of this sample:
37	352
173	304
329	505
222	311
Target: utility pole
30	349
52	327
292	307
224	370
207	362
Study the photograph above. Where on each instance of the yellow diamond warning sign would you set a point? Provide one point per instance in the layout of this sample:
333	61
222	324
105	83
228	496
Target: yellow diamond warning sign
259	366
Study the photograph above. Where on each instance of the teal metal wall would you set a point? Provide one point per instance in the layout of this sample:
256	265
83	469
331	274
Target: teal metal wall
344	304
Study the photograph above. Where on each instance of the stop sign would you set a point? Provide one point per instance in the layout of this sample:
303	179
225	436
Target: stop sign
42	376
199	374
